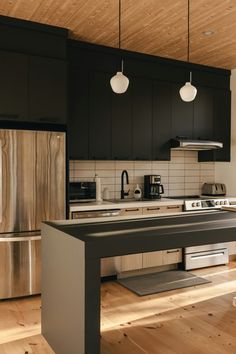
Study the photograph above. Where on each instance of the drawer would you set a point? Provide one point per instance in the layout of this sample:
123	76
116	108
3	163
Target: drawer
174	208
206	259
152	259
131	262
172	256
131	211
154	210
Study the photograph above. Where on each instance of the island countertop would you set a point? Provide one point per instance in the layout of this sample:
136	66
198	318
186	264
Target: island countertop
71	256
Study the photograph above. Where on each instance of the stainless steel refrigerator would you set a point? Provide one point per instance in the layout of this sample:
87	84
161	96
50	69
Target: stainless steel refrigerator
32	189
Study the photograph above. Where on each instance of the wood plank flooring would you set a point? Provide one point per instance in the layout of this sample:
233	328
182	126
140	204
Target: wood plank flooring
196	320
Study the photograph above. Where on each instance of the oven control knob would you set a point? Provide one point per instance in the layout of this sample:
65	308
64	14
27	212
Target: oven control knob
225	202
193	205
217	203
221	203
198	204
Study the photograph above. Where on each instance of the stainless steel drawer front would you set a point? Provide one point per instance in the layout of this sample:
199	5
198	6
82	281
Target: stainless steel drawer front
206	259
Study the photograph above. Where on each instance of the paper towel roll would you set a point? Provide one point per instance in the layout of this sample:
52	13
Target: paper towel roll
98	189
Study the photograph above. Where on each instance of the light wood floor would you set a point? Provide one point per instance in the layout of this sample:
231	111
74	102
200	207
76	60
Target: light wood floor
196	320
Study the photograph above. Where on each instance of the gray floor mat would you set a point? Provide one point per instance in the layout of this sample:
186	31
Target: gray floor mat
162	281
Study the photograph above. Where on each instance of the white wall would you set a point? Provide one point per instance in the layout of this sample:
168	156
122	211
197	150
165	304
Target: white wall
225	172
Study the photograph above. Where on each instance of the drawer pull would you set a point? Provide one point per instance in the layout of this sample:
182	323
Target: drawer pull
173	207
135	209
173	251
156	208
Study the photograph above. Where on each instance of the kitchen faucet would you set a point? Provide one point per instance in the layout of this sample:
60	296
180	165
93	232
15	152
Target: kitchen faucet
123	194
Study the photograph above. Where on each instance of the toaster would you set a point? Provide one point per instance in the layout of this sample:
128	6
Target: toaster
213	189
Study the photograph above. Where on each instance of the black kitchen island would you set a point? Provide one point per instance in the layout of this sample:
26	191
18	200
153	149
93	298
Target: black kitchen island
71	254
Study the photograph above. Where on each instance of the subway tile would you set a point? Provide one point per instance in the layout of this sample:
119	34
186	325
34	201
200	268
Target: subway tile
177	192
176	179
89	165
173	173
191	185
192	179
124	165
189	153
105	173
207	166
177	159
142	165
176	166
190	160
142	172
207	172
192	166
105	165
192	172
177	153
174	186
207	179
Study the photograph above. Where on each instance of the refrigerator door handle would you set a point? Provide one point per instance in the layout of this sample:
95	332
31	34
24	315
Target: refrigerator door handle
19	238
1	182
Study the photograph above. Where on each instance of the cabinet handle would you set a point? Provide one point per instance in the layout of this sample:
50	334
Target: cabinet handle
173	251
173	207
153	208
135	209
9	116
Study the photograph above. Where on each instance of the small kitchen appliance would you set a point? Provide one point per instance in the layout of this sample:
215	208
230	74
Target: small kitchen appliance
153	187
82	192
214	189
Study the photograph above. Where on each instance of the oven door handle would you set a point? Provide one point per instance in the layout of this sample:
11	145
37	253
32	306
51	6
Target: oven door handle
209	255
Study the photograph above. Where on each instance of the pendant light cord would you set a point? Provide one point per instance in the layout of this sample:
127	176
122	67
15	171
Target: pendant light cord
119	23
188	29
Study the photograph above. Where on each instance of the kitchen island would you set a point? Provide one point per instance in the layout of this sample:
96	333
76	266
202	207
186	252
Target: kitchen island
71	254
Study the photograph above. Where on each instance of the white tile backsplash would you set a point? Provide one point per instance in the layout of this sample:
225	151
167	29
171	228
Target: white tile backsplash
183	175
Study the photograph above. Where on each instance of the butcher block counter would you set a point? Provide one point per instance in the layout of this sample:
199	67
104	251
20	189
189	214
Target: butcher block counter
71	256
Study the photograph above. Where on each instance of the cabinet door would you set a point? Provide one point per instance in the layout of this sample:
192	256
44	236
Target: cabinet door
152	259
13	86
161	120
172	256
100	116
203	114
122	125
142	119
182	114
222	123
47	90
78	125
131	262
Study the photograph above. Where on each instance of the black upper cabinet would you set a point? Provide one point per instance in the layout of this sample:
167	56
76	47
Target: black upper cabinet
204	114
162	113
121	111
78	123
13	86
99	116
142	118
222	120
47	90
182	114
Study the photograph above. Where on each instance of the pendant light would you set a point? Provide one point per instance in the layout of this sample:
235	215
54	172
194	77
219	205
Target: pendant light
119	82
188	92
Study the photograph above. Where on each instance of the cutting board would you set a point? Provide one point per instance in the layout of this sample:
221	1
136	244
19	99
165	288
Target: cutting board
229	208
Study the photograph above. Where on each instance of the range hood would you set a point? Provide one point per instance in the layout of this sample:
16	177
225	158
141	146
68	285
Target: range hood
198	145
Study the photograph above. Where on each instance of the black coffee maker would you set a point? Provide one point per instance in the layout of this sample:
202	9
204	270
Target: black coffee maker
153	187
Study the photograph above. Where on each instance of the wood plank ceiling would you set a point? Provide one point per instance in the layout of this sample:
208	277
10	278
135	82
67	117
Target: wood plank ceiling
157	27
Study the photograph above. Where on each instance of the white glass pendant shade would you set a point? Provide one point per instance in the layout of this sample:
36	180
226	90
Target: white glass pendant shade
188	92
119	82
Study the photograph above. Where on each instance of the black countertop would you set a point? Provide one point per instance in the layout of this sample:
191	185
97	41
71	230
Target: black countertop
105	239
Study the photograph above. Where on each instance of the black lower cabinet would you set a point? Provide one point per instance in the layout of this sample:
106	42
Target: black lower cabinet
142	118
162	118
99	116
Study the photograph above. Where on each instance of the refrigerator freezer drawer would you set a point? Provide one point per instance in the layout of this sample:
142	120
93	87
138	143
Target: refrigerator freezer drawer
206	259
20	267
